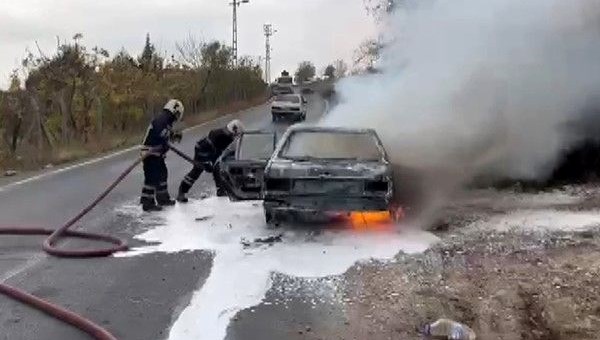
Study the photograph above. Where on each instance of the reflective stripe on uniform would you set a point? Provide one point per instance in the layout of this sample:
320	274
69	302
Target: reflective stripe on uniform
188	180
148	191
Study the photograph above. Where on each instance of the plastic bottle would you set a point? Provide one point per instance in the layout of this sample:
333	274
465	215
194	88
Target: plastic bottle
449	329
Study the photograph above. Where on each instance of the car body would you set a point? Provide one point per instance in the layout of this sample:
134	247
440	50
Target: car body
316	172
289	106
282	89
241	167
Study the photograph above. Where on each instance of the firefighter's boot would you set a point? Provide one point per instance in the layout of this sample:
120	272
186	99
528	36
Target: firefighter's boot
151	207
164	200
181	197
147	199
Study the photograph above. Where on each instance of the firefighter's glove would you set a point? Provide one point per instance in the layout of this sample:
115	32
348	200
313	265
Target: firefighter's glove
176	137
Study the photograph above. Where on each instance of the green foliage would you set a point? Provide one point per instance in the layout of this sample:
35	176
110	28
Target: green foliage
83	95
329	71
305	71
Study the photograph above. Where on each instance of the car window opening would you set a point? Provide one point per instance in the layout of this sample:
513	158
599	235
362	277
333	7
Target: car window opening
305	145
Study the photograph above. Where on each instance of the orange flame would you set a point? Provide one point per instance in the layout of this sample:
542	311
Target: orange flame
371	220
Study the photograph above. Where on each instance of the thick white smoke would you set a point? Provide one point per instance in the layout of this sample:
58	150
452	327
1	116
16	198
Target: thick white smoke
471	88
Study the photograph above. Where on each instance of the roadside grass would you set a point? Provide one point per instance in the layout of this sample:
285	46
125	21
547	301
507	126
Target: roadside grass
29	158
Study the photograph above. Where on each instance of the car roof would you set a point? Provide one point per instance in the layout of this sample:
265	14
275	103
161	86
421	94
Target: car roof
332	129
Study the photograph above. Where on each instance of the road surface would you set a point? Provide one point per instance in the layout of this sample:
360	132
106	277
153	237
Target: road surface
134	297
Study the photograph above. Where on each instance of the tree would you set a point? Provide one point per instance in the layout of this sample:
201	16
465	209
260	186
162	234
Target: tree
329	72
191	52
149	60
85	98
380	8
367	54
305	71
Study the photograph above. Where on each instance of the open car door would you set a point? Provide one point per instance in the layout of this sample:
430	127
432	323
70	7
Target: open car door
242	166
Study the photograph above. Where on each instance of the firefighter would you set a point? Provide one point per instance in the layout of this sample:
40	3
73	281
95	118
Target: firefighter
206	153
155	193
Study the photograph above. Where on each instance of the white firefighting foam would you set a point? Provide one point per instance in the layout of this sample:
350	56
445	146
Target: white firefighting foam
241	276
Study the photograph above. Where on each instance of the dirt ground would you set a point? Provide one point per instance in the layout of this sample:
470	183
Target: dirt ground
511	265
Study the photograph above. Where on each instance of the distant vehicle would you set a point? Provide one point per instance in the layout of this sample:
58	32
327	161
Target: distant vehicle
319	171
285	79
307	90
241	167
279	90
289	106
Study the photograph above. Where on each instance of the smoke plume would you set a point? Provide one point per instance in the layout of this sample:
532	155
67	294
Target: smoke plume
471	88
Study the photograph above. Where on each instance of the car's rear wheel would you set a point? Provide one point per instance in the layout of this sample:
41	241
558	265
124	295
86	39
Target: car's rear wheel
271	217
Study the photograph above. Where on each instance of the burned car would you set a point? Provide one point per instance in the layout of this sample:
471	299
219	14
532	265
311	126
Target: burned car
318	172
241	167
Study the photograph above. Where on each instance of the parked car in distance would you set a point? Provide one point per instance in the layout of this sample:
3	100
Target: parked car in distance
289	107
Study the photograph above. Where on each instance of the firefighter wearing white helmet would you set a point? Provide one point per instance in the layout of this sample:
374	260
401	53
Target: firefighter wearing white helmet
175	107
155	193
206	153
235	127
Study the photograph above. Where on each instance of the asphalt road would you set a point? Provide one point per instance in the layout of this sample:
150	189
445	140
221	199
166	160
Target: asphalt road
134	297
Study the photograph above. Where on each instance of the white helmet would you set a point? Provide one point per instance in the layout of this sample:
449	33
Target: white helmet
235	127
175	107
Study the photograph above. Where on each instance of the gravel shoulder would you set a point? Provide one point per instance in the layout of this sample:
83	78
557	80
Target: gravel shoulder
511	265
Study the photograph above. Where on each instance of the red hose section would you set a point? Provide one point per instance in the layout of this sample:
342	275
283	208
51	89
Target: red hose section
49	247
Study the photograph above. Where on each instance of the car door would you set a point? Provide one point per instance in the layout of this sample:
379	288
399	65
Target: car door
242	171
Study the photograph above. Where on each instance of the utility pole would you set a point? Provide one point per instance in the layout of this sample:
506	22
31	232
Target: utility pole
236	4
268	33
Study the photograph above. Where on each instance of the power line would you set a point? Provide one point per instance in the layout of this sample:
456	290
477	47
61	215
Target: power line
236	4
269	31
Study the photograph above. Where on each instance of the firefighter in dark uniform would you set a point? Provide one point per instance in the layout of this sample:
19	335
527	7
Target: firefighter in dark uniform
155	192
206	153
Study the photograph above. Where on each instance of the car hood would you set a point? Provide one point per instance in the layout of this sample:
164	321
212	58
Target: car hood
285	104
333	169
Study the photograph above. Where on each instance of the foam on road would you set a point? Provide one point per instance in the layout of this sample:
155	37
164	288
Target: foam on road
241	275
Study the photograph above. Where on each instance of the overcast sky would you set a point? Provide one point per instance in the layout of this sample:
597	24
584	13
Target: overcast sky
316	30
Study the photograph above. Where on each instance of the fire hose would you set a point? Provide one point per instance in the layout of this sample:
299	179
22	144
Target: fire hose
50	247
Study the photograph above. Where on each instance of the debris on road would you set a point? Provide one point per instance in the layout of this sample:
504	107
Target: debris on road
269	240
10	173
204	218
449	329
